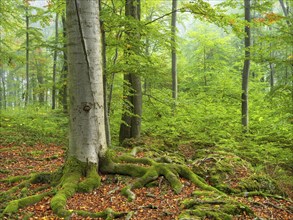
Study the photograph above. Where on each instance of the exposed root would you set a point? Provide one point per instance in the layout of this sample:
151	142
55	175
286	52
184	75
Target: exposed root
258	193
212	205
107	214
24	184
83	177
14	205
150	170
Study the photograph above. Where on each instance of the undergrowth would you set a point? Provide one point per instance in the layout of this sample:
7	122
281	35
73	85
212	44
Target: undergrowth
33	125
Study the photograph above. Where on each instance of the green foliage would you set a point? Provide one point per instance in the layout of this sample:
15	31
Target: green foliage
32	125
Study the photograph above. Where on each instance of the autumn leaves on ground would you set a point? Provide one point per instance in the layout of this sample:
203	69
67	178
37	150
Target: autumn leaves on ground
224	170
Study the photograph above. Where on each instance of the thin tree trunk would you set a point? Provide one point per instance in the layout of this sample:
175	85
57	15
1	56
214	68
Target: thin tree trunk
64	69
285	11
272	73
118	37
272	67
40	77
173	46
132	107
27	56
107	122
246	67
3	101
55	62
137	106
204	66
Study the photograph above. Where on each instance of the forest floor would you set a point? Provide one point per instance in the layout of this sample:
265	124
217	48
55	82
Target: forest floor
154	202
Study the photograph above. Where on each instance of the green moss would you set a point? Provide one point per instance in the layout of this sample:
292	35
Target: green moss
106	163
126	191
236	209
130	159
14	205
92	180
188	174
186	216
198	193
225	188
171	177
73	170
261	183
58	203
148	177
41	178
15	179
129	169
202	214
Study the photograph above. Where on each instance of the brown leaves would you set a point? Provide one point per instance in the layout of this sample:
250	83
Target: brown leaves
156	202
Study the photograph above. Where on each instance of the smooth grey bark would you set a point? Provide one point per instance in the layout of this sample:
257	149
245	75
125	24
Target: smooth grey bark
26	98
55	62
173	52
246	68
132	108
87	141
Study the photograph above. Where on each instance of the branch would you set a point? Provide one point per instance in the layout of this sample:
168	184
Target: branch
158	18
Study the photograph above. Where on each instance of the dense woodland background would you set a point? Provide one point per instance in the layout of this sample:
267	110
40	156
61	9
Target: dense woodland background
208	41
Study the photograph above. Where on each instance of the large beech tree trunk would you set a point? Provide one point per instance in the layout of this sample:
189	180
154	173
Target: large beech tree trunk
87	141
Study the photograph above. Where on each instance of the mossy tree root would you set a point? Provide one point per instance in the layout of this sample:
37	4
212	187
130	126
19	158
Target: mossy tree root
212	205
107	214
14	205
24	184
67	185
150	171
70	183
258	193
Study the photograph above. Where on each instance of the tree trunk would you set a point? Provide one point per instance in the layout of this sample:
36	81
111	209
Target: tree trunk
40	76
285	11
132	108
87	141
55	63
27	55
104	58
174	57
63	90
246	67
3	102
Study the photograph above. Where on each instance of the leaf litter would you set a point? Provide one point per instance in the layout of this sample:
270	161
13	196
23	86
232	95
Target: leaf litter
155	202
